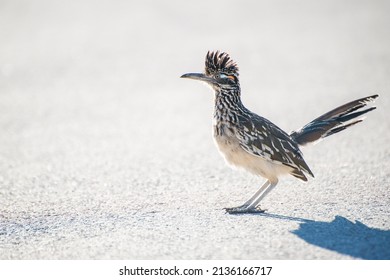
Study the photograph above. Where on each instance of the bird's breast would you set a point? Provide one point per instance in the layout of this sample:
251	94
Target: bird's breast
229	147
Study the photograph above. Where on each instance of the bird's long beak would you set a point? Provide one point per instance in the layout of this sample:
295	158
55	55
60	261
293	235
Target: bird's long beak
199	77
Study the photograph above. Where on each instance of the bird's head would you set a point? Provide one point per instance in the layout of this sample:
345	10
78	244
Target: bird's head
220	71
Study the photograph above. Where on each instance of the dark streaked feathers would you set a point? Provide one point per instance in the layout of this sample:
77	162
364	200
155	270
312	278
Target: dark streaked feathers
220	62
269	141
334	121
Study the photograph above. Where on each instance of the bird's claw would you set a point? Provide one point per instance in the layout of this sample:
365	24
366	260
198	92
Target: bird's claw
244	210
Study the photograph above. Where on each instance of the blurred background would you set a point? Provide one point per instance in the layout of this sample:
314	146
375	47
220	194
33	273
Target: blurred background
96	124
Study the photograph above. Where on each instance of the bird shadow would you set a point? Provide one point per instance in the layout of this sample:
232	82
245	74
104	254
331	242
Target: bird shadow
343	236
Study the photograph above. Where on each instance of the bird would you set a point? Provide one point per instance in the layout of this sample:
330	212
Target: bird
255	144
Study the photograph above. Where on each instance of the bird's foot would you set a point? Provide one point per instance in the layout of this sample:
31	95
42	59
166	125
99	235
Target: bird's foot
244	210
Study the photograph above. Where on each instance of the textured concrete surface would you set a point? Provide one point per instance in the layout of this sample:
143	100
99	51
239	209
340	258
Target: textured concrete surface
106	154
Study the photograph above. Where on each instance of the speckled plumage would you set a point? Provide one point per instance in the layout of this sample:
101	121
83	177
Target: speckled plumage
249	141
246	132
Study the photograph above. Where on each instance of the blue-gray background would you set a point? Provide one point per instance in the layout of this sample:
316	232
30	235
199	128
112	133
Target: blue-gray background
106	154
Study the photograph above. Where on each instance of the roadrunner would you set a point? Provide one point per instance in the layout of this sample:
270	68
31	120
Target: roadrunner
255	144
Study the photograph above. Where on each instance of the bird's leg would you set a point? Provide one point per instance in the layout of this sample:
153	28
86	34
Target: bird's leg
261	196
248	205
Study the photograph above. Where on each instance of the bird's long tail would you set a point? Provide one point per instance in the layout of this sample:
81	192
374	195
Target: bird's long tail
334	121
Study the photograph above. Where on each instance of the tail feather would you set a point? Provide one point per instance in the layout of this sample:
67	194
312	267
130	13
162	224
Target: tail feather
334	121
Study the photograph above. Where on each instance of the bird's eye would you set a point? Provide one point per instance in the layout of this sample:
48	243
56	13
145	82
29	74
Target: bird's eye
217	76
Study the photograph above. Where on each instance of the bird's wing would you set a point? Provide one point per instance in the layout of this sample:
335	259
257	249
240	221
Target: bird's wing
262	138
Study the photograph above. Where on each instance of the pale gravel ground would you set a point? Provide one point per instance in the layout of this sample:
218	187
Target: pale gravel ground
106	154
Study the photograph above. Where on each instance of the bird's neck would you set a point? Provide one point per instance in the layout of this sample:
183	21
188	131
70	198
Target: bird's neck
227	103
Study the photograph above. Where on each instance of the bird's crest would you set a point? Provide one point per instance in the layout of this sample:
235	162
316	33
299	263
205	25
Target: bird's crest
220	62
